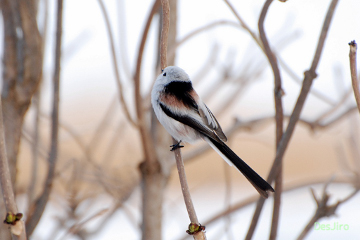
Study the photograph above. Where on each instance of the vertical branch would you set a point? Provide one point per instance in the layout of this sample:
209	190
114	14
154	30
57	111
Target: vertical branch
152	181
164	32
43	199
310	75
184	186
6	185
194	229
35	147
148	149
198	234
279	116
21	75
353	71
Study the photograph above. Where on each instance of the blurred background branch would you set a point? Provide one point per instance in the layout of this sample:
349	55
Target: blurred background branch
114	172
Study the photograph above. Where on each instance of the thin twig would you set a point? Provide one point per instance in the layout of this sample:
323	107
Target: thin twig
256	123
310	75
252	199
115	64
244	25
147	144
335	107
258	42
323	209
124	59
43	199
279	116
200	30
298	80
353	71
79	225
101	127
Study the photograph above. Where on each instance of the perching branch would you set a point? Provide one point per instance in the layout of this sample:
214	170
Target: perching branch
186	193
310	75
194	228
353	71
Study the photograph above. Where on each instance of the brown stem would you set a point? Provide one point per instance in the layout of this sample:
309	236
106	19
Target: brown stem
279	115
250	200
253	199
243	24
164	33
35	147
152	178
43	199
6	185
184	186
186	192
21	75
323	209
310	75
146	143
179	162
115	64
354	79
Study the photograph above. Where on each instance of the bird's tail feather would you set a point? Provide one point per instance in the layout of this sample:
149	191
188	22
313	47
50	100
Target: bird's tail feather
230	157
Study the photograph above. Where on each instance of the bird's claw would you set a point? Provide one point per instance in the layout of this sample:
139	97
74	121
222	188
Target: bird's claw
176	146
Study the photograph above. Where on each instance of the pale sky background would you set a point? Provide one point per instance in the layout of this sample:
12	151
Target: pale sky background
88	85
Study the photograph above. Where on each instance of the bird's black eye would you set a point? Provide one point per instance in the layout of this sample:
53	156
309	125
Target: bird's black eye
164	74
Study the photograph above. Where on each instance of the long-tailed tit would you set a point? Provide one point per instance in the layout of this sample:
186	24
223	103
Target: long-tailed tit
183	114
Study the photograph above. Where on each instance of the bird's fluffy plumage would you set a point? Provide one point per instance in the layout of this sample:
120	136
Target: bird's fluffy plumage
174	93
184	115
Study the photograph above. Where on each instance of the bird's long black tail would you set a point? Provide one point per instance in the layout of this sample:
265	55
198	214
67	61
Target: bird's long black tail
258	182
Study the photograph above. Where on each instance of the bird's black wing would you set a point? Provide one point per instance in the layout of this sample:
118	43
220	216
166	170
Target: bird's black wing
191	122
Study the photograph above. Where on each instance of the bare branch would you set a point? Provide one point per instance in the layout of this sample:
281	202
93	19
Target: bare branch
279	117
43	199
184	186
353	71
244	25
298	80
78	226
17	227
115	64
164	33
310	75
200	30
100	129
251	200
35	147
194	225
323	209
146	142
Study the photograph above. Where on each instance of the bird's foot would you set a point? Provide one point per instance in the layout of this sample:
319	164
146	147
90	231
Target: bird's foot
176	146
